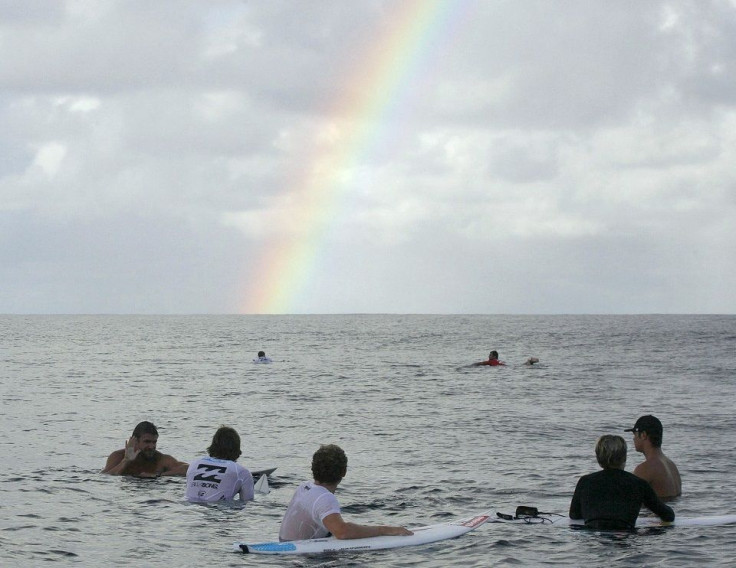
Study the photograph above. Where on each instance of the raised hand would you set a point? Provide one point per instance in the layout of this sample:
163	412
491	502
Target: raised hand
131	450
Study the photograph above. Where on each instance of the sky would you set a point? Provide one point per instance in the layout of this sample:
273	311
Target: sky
370	156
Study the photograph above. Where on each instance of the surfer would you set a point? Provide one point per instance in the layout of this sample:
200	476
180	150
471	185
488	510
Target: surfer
657	469
218	477
140	457
314	511
262	358
492	360
611	499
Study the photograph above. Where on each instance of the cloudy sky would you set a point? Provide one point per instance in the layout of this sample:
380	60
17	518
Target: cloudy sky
333	156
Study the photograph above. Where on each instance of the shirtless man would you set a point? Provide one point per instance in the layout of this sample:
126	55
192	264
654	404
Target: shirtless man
140	458
660	471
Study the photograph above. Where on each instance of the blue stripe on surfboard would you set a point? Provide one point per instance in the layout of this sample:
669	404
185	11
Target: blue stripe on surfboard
271	547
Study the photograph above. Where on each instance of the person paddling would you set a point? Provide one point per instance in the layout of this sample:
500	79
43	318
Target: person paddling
492	360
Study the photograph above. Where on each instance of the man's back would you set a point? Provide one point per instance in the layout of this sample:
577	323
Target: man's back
662	474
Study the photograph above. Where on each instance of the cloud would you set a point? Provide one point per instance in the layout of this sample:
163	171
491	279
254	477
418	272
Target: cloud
543	158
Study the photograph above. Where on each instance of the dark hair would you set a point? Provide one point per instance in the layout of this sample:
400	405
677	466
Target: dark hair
145	427
261	353
329	464
493	355
225	444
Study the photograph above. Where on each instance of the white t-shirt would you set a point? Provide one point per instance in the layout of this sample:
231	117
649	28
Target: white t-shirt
308	507
211	479
263	360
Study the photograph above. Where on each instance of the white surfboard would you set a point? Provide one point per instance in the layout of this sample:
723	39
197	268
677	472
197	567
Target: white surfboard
561	520
422	535
261	486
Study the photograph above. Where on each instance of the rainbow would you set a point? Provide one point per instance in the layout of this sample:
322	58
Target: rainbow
380	91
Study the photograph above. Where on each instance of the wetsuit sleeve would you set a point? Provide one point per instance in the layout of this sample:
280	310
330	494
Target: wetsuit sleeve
575	508
655	504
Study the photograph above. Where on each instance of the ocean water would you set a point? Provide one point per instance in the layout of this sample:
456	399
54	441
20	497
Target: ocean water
428	438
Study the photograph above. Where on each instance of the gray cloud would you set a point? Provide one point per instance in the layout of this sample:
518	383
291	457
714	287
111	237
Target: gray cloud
543	158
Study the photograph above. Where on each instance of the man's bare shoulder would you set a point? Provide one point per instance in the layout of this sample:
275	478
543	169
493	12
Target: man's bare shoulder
114	459
646	470
172	466
651	468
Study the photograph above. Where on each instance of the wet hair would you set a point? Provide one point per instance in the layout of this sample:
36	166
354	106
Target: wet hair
610	451
261	353
493	355
145	427
329	464
225	444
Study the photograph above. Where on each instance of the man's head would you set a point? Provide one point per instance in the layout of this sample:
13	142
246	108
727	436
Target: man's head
146	437
493	355
610	451
329	464
225	444
651	426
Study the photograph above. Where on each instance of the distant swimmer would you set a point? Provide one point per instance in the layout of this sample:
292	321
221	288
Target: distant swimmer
610	499
660	471
492	360
218	477
314	511
141	459
262	358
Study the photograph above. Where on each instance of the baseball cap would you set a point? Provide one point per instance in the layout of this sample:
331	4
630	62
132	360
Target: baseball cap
649	424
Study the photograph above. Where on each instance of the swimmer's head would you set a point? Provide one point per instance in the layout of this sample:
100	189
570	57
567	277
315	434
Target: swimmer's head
610	451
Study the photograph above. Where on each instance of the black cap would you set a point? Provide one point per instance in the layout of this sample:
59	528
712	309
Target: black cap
649	424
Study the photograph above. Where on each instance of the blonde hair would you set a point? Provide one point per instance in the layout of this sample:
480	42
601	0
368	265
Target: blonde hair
610	451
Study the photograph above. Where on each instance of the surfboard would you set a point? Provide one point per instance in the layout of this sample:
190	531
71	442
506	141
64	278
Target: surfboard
422	535
564	521
261	486
259	472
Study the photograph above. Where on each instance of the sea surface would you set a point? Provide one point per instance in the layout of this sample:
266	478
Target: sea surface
428	438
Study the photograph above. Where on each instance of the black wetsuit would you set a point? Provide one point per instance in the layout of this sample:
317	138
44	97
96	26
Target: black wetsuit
612	498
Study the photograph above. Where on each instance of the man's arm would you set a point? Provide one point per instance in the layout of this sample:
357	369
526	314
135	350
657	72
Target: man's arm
656	506
343	530
247	490
576	511
172	466
116	463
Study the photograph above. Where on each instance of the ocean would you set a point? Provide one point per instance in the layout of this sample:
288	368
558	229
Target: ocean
428	438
